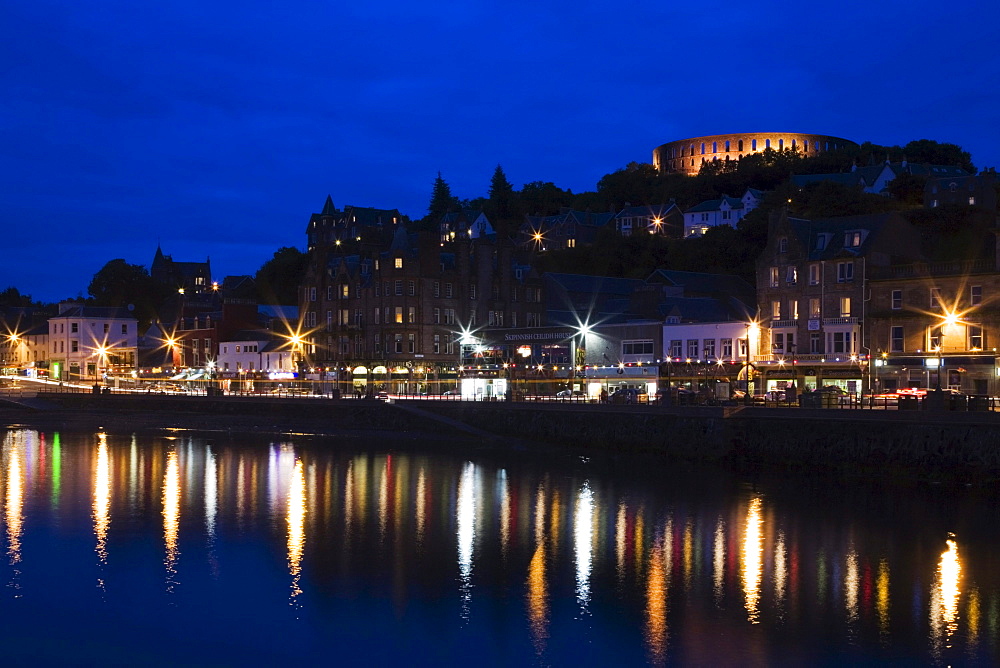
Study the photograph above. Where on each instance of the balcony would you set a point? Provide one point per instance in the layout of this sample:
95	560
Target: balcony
842	321
784	324
920	269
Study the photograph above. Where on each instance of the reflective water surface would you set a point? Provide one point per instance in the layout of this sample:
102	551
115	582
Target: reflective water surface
226	551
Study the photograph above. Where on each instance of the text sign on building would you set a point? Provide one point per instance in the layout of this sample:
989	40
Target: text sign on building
813	325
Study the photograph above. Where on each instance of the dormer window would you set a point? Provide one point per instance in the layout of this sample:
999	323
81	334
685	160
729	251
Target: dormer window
820	242
852	239
783	245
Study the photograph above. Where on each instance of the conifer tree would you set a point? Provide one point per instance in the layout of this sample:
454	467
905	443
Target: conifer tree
442	201
502	202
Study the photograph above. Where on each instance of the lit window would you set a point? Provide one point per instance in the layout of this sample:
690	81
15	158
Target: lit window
845	307
399	263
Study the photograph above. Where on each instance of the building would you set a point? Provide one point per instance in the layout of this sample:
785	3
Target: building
333	228
471	223
392	315
661	219
723	211
567	229
189	278
812	298
955	190
92	343
251	356
875	179
687	155
936	325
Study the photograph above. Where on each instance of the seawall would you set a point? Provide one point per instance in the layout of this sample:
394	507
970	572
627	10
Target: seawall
939	446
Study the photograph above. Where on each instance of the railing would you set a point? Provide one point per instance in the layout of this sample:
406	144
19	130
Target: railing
842	321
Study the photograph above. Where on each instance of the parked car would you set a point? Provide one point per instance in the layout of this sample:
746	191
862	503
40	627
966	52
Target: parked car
627	395
570	394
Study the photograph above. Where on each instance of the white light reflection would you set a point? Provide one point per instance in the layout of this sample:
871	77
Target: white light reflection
171	517
945	599
620	530
14	445
852	584
102	500
421	505
780	573
211	506
466	516
296	528
583	534
752	558
719	561
504	513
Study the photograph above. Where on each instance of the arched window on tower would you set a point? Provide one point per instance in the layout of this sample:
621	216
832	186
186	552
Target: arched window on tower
781	144
739	146
727	146
767	143
753	144
715	147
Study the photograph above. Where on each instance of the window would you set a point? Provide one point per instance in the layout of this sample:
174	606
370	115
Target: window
727	348
571	243
534	319
783	245
896	339
345	317
753	144
399	265
793	307
472	290
74	327
107	328
74	346
841	342
411	288
312	294
976	295
935	298
411	343
776	310
378	344
399	343
329	320
437	288
897	300
815	343
345	290
449	316
378	315
399	288
790	342
329	292
814	308
708	347
692	348
934	339
448	291
676	348
852	239
358	317
975	337
845	307
437	344
972	201
637	347
820	241
774	277
791	275
814	274
411	314
778	344
449	345
437	316
845	272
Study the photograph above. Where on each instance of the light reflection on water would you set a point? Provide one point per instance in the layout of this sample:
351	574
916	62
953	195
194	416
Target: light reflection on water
467	550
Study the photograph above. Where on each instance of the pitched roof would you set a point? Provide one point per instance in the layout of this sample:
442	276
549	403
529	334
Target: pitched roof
716	204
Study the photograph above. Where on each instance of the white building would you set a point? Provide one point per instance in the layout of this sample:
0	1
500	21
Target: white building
92	342
723	211
256	352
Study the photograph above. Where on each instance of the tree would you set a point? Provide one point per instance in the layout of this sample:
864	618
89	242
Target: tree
544	198
502	207
13	297
279	278
937	153
123	285
442	201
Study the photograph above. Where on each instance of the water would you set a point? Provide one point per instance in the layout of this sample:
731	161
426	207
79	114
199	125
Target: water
182	549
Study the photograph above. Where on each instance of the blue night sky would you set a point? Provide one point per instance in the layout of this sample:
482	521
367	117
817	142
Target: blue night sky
216	129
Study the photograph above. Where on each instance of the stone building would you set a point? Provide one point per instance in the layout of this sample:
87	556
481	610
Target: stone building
567	229
936	323
687	155
392	316
812	298
92	343
963	190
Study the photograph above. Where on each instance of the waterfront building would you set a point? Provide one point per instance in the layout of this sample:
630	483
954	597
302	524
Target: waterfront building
252	355
392	315
936	324
812	299
92	343
723	211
